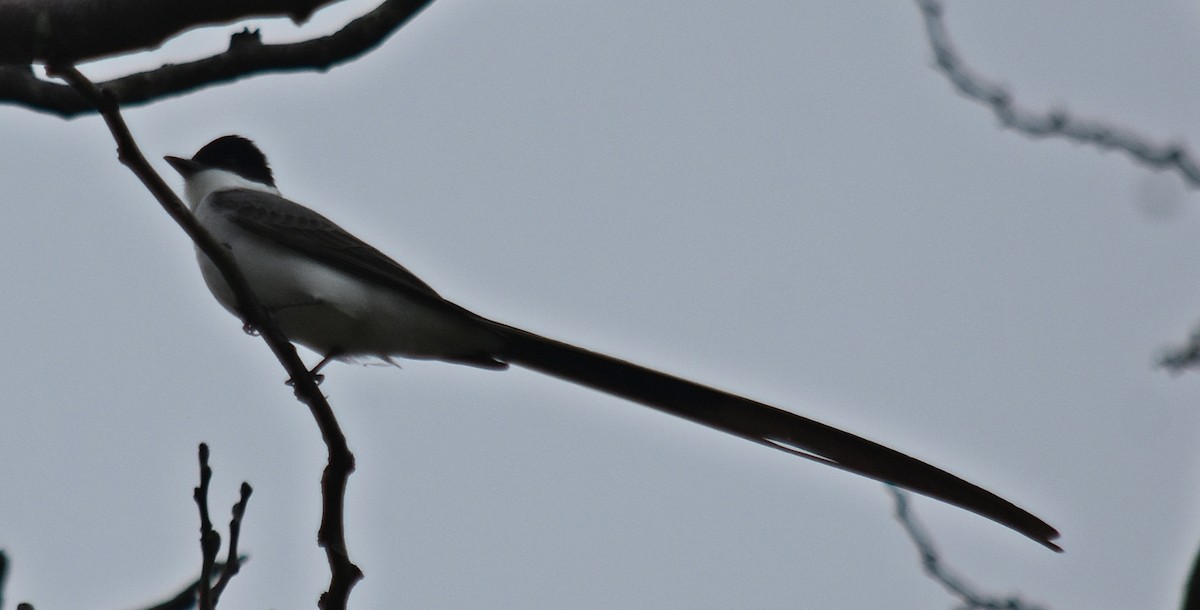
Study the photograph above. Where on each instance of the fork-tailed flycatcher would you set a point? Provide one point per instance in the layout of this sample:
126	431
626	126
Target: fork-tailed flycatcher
338	296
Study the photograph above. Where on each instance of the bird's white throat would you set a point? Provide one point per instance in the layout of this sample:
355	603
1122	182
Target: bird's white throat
208	181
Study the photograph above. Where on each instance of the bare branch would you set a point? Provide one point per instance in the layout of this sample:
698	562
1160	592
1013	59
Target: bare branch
3	578
210	540
186	598
207	595
933	565
1183	357
331	535
68	31
246	56
3	575
1058	123
233	561
1191	591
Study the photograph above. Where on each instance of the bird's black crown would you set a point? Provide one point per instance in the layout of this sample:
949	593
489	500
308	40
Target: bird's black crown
238	155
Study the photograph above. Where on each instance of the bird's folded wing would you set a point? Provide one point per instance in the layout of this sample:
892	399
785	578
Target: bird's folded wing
296	227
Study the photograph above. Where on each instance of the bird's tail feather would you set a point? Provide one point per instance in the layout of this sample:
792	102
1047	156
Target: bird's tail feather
765	425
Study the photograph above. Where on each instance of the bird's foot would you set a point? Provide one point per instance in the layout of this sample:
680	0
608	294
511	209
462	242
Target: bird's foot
316	370
316	377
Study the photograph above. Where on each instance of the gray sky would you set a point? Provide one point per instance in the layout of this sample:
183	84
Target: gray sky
781	199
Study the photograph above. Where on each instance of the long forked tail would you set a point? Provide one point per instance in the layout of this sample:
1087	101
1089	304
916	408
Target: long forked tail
765	425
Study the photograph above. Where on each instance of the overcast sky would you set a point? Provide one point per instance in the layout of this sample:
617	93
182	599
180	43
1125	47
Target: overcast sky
782	199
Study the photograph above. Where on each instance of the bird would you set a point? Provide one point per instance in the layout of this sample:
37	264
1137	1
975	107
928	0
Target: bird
340	297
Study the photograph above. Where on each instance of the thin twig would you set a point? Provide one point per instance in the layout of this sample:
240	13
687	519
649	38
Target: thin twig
1191	591
210	540
939	573
3	575
1054	122
1060	123
331	535
233	561
186	598
1176	359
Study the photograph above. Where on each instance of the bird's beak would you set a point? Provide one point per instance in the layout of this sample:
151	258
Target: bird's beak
186	167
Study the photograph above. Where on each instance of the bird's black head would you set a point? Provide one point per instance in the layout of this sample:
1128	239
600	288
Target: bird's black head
231	153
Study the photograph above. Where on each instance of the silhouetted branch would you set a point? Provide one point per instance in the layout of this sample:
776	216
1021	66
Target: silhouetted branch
210	540
1185	356
3	575
246	56
1057	123
1191	591
3	578
933	565
68	31
186	598
233	562
331	535
1060	123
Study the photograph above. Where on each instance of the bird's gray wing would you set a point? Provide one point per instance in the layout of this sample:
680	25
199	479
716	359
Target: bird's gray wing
296	227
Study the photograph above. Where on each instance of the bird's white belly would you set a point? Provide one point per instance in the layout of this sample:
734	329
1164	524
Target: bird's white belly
328	310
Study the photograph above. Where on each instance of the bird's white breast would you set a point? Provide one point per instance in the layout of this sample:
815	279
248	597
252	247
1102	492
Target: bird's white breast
326	309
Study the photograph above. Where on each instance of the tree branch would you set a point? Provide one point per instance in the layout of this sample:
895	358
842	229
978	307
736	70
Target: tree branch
933	566
233	562
1185	356
331	535
3	578
207	594
1059	123
186	598
1056	123
1191	591
3	575
210	540
69	31
246	56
